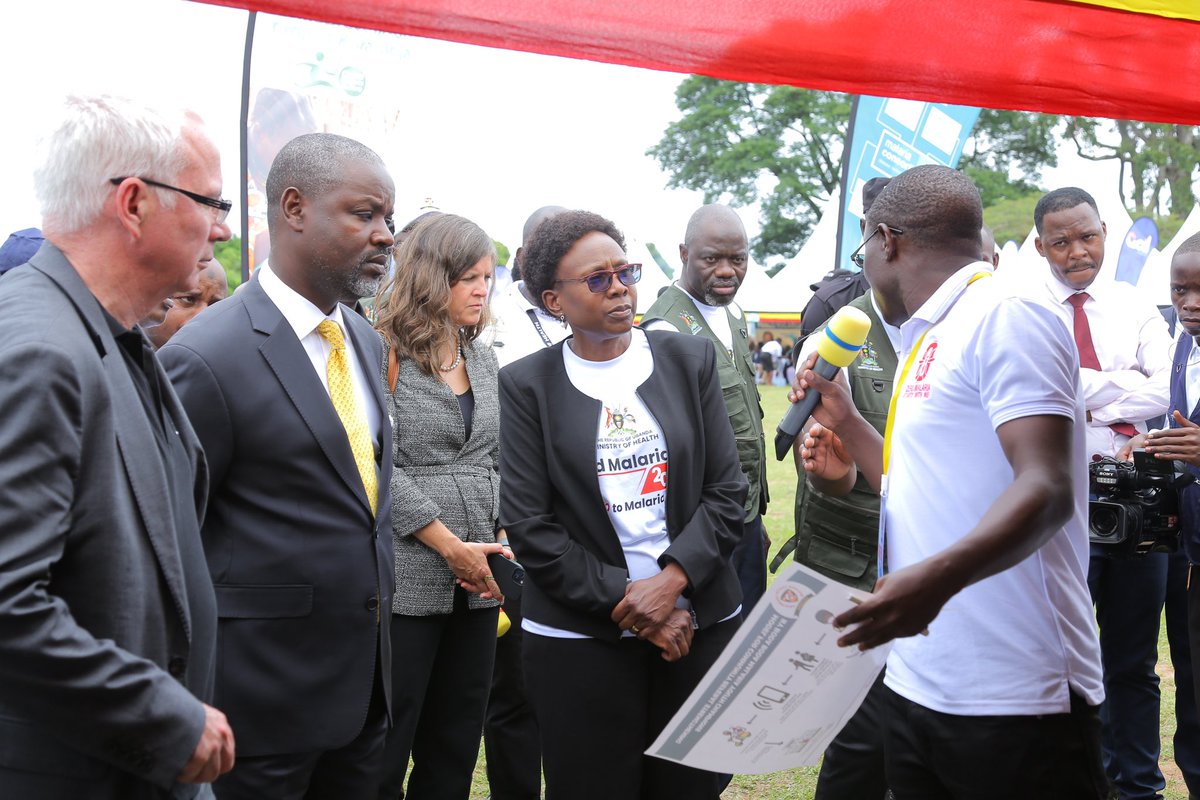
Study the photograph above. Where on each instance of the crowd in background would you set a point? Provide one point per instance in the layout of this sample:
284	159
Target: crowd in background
262	544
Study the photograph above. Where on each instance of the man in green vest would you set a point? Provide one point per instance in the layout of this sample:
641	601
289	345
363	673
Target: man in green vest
838	537
714	255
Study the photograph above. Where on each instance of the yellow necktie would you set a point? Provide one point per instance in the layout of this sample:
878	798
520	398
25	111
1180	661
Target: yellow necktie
341	392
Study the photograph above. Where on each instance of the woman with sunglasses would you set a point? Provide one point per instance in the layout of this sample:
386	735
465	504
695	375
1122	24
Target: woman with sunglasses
629	594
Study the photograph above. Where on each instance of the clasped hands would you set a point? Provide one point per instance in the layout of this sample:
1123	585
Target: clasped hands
471	569
648	611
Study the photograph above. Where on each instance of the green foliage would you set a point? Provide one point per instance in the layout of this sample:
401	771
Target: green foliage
744	142
1158	161
230	255
502	253
1011	218
781	147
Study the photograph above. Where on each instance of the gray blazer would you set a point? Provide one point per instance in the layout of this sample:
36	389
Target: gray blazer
107	623
437	473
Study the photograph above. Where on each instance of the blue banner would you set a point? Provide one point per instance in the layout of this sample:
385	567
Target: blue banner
1141	239
888	136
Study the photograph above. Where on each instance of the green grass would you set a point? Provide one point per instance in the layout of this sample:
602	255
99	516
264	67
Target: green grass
799	784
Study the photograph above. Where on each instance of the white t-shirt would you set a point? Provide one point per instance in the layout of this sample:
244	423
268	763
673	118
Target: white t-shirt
1014	643
772	348
631	460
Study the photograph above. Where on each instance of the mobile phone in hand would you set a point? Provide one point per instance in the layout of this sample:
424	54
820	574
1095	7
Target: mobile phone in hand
509	575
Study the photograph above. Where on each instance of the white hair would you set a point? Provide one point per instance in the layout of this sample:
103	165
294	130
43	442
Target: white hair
97	139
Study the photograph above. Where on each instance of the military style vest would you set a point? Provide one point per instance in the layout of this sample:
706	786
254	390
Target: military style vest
838	536
736	372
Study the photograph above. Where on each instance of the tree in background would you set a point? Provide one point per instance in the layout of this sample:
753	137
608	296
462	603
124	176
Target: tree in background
230	255
743	143
1158	161
781	147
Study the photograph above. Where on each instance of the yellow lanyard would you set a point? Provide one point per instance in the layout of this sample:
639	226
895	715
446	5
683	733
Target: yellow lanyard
891	417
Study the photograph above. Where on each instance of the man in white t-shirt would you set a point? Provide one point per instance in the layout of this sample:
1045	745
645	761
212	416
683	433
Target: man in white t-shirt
993	681
519	324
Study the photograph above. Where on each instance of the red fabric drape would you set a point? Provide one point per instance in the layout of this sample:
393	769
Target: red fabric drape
1037	55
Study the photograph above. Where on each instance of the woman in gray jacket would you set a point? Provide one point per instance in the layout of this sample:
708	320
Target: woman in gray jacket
443	400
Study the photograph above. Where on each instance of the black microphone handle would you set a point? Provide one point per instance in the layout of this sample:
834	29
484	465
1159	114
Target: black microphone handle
789	426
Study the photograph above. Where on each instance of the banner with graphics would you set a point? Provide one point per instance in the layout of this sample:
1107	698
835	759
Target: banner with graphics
307	77
1141	239
886	137
782	688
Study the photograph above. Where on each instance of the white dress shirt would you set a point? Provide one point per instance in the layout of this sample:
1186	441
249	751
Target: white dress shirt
304	317
1134	348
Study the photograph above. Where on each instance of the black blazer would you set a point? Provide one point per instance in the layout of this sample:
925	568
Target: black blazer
550	501
302	571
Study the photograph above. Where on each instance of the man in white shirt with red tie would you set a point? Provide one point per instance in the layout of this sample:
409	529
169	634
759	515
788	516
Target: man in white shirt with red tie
1125	360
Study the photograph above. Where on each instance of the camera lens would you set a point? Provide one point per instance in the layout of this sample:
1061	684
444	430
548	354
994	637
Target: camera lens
1104	522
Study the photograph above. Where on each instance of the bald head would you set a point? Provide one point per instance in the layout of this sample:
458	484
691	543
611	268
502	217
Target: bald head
711	216
938	208
714	255
537	218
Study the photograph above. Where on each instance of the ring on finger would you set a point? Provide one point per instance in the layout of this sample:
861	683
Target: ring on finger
635	629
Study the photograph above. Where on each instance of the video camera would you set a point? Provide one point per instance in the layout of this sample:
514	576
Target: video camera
1136	509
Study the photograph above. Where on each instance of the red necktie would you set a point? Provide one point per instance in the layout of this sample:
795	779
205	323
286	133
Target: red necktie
1087	350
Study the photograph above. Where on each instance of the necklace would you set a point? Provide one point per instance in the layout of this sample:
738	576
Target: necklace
457	360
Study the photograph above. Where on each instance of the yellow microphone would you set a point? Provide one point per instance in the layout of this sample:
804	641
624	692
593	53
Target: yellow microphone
839	343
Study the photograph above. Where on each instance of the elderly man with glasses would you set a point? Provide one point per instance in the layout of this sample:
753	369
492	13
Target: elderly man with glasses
107	613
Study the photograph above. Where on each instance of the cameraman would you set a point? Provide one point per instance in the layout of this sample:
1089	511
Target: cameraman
1124	350
1181	442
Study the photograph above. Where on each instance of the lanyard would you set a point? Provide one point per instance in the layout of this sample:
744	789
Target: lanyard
887	440
891	417
537	325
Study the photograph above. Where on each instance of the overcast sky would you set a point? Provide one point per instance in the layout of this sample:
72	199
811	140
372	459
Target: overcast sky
489	134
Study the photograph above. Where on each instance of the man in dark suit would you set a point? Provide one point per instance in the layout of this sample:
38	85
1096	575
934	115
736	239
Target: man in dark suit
282	384
107	620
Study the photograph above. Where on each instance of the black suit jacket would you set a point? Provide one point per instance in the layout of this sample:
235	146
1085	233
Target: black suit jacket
106	612
550	501
300	566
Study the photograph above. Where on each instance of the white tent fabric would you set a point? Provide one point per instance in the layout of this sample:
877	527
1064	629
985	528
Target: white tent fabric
789	289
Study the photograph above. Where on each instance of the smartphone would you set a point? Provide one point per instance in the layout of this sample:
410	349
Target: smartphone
509	575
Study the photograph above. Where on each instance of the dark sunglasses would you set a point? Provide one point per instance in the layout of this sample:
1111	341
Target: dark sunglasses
222	206
599	281
857	256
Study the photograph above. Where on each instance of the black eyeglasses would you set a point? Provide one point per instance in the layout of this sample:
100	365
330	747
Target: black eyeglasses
857	256
599	281
222	206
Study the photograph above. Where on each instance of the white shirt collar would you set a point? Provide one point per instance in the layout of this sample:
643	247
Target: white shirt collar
300	313
1060	291
940	302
